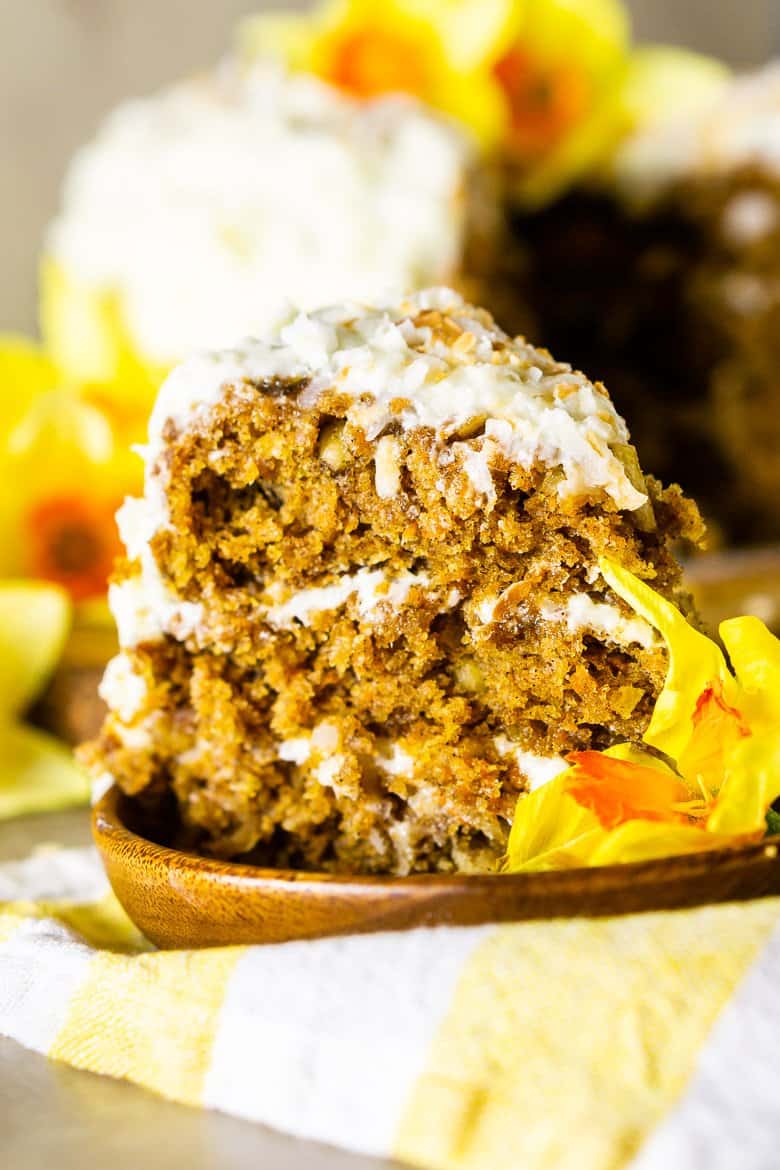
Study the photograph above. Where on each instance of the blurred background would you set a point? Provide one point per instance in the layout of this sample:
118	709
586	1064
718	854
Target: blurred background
64	63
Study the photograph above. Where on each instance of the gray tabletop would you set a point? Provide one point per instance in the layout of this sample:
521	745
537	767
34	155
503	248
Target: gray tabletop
55	1118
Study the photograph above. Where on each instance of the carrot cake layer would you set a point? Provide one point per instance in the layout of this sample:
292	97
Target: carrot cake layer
361	610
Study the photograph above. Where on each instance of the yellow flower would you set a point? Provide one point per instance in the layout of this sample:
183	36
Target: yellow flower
439	51
664	83
37	773
665	89
66	465
85	337
718	726
537	81
561	71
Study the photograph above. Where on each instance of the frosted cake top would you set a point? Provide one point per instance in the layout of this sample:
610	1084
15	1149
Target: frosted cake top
210	208
737	125
429	360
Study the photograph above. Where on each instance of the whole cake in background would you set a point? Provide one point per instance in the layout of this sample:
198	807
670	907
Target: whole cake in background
664	279
200	215
361	609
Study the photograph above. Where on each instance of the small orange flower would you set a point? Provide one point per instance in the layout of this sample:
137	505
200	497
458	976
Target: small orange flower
717	726
714	767
545	101
619	790
73	541
368	62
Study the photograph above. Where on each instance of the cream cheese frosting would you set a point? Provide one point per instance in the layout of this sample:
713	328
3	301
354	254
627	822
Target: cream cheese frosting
738	125
536	410
370	587
431	361
207	209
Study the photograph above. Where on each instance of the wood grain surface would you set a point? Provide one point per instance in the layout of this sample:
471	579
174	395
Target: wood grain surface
182	900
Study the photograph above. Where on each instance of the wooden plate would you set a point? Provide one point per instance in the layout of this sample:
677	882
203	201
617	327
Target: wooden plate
182	900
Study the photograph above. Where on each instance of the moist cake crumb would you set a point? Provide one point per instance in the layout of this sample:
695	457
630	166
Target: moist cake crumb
361	612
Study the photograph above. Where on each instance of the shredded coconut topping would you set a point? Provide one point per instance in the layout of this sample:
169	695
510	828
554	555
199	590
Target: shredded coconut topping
406	364
581	612
536	769
207	209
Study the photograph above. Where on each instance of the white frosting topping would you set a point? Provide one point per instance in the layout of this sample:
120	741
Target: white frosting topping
144	607
738	125
209	208
581	612
327	771
536	769
371	587
395	760
296	750
122	688
450	364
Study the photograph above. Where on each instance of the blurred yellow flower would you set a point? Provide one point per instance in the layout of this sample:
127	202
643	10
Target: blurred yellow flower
37	773
664	82
85	337
536	80
718	731
561	72
550	87
66	465
437	51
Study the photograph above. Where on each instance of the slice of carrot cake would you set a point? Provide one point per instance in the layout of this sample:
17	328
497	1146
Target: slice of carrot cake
361	609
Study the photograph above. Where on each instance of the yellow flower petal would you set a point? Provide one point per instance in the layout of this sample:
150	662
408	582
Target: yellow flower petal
278	37
649	840
37	774
551	830
26	372
664	82
755	657
595	32
34	623
751	785
60	420
472	32
85	332
695	662
723	733
476	102
67	467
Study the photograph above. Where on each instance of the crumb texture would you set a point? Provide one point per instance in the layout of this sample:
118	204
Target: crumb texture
358	623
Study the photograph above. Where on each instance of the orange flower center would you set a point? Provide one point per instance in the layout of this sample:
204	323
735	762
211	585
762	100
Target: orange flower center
618	791
545	100
74	542
368	62
716	728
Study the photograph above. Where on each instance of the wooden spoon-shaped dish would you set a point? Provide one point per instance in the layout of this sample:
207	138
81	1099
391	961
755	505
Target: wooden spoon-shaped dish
181	900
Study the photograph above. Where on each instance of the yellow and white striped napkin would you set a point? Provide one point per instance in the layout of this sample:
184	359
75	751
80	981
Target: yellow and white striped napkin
647	1041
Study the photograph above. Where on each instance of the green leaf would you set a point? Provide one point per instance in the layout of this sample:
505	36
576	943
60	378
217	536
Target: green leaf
772	822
